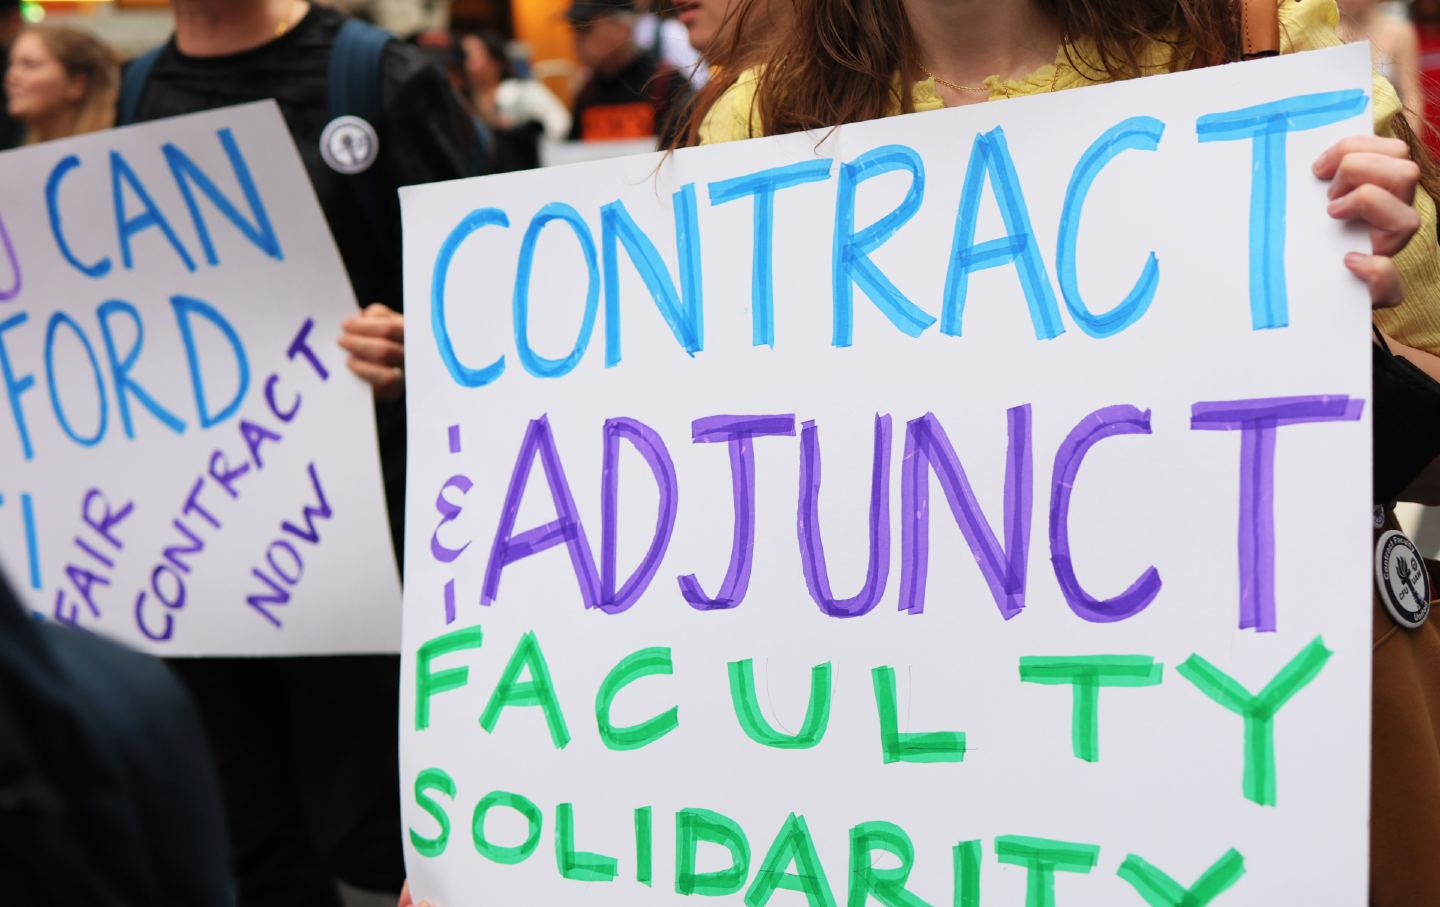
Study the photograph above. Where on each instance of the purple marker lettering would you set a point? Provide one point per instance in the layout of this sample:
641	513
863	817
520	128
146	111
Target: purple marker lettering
1101	424
107	519
192	544
13	290
648	443
67	615
256	435
1257	421
812	546
284	415
448	512
168	627
454	439
927	448
738	432
300	346
86	547
192	505
224	475
566	529
85	582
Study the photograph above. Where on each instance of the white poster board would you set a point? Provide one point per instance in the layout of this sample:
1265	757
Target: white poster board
188	465
1001	647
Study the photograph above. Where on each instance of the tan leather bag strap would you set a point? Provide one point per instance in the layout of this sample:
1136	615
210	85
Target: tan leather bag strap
1259	28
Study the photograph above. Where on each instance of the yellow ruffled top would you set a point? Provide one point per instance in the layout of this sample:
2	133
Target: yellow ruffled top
1304	25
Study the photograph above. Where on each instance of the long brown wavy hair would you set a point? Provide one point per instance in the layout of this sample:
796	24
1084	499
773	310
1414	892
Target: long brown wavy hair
841	64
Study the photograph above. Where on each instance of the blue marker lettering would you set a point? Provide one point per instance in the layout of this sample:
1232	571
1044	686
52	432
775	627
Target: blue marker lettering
15	387
56	320
534	363
463	375
1267	125
120	369
1139	133
185	307
683	312
991	157
763	185
850	261
127	227
260	233
52	207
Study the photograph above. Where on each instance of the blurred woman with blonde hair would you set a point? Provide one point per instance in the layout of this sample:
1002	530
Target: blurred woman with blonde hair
62	81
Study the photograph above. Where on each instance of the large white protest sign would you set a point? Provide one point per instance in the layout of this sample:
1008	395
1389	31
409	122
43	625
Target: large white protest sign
188	465
1081	605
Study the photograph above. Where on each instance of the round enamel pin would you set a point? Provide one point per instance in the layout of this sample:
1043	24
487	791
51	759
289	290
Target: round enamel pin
349	145
1401	577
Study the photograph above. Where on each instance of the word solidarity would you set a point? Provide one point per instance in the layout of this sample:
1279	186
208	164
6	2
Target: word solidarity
881	857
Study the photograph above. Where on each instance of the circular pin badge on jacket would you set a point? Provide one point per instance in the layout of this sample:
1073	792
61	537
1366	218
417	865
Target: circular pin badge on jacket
349	145
1401	577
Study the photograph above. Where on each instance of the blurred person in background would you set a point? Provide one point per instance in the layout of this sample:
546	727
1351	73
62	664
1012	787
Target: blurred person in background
11	132
630	94
502	98
307	748
1395	47
666	39
61	81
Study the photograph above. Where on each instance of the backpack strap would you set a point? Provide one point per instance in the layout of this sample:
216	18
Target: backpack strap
1259	29
133	83
354	90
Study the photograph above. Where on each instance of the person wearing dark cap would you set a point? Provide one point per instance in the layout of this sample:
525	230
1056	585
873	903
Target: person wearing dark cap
630	94
12	132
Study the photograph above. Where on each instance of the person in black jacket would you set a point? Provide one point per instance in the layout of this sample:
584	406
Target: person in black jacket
108	797
307	747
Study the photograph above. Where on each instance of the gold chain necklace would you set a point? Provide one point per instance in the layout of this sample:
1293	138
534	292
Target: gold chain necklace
954	86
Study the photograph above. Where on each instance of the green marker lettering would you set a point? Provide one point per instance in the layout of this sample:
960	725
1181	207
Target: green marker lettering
792	845
538	690
644	845
428	684
578	865
886	885
1159	890
428	780
1041	857
747	708
1087	674
695	825
1259	711
967	874
506	856
935	746
645	663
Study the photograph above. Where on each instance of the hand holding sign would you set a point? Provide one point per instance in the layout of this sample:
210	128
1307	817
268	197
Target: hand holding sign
375	340
1373	181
